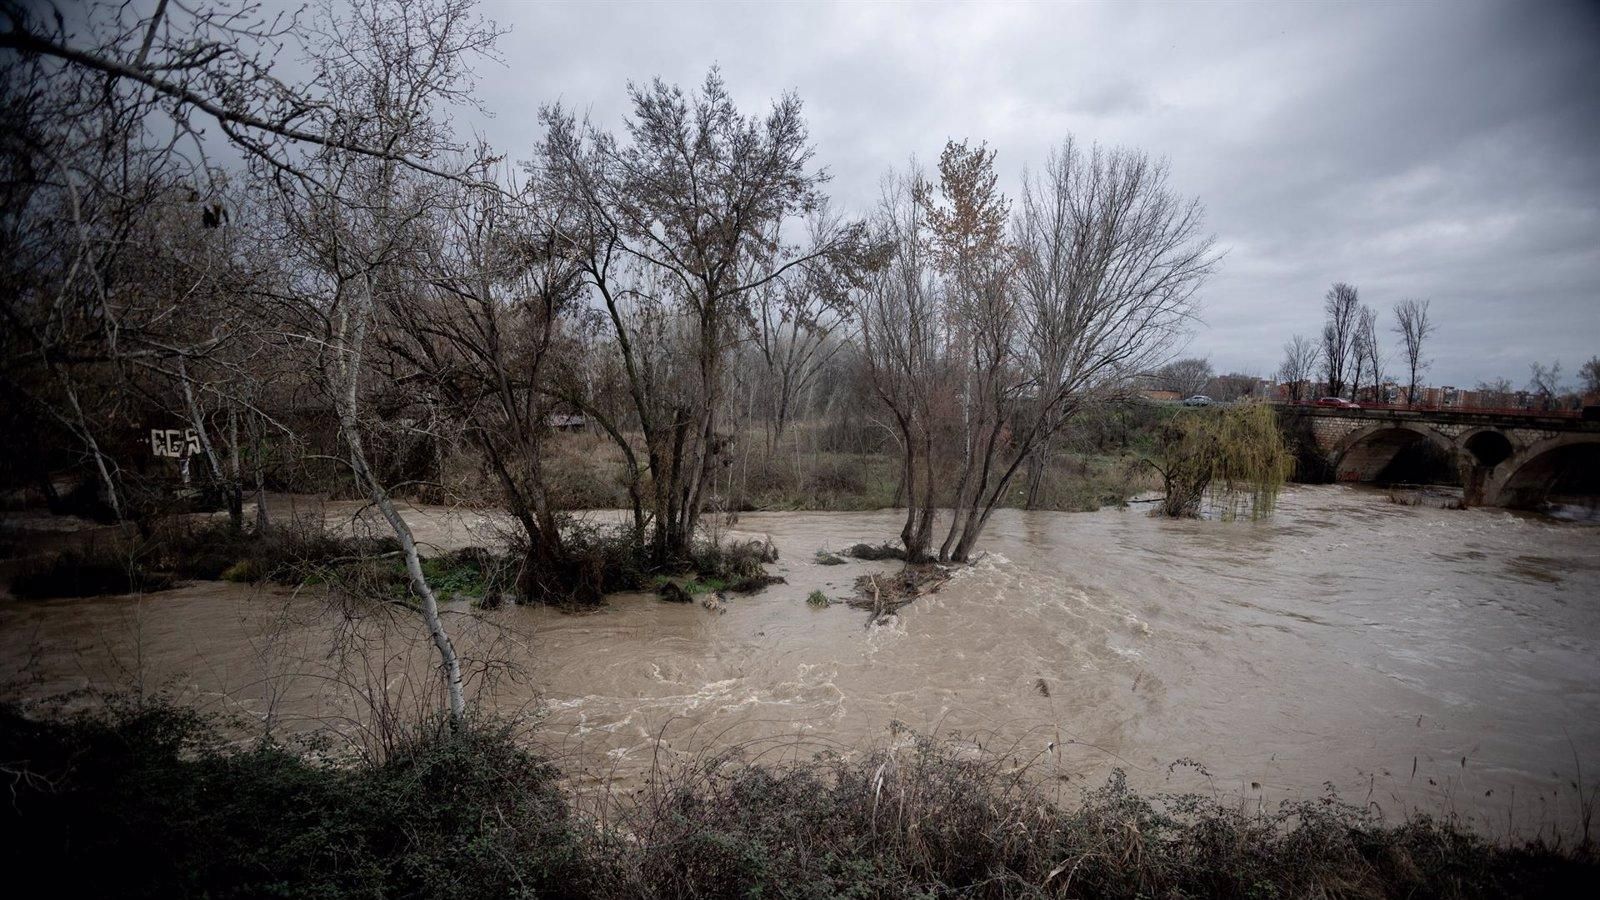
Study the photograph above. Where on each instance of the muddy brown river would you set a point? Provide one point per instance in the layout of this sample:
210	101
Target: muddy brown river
1415	658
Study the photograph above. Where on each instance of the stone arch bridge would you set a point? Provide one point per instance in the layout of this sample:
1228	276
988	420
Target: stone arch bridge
1504	459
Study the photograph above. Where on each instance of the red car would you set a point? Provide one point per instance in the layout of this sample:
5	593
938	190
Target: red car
1336	402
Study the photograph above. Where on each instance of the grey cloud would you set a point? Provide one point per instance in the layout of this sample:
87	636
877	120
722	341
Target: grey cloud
1441	150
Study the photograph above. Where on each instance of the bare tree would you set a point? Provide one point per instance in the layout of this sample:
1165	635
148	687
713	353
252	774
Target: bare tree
997	343
124	268
796	321
1232	386
355	220
480	336
1414	326
901	337
1341	306
1186	376
1589	372
1496	392
149	78
1109	259
1545	382
210	63
681	218
1367	355
967	232
1299	362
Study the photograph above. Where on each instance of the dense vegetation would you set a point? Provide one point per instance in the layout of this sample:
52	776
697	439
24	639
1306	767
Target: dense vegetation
144	799
306	551
1229	462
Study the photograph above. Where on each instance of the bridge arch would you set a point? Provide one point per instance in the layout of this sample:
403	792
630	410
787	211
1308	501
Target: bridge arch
1562	462
1487	447
1363	454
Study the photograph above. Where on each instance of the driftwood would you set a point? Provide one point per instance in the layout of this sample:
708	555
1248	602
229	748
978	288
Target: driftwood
883	595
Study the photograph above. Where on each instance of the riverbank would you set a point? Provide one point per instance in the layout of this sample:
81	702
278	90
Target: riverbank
144	799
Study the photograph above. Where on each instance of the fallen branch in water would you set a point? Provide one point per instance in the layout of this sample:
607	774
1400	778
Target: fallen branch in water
883	595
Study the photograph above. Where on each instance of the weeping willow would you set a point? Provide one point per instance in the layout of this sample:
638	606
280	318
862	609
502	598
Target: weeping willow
1224	462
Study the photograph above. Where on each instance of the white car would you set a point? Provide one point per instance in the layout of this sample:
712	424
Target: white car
1198	400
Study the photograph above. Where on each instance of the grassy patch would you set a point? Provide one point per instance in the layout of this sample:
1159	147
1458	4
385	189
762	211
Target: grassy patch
471	573
245	571
690	586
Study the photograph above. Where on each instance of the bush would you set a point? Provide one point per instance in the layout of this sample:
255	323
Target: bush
245	571
604	560
292	552
928	821
144	800
471	572
738	566
89	572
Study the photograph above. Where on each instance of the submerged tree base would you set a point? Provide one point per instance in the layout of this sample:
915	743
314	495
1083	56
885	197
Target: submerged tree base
147	800
1221	462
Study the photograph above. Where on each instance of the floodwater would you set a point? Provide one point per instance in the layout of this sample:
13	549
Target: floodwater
1415	658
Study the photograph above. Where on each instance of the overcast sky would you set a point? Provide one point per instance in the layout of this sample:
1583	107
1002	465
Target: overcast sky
1439	150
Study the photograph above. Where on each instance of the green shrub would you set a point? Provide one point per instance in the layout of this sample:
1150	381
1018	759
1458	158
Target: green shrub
818	599
245	571
738	566
471	572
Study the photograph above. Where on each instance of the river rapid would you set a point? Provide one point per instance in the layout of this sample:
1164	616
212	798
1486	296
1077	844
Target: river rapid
1415	658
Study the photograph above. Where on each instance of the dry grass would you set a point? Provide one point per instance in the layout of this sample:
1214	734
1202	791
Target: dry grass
924	819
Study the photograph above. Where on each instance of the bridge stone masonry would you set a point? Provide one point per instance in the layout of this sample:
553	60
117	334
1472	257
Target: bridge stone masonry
1510	459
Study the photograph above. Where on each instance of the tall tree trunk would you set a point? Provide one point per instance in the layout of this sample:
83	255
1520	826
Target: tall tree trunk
1038	465
235	482
258	463
197	420
354	329
80	424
